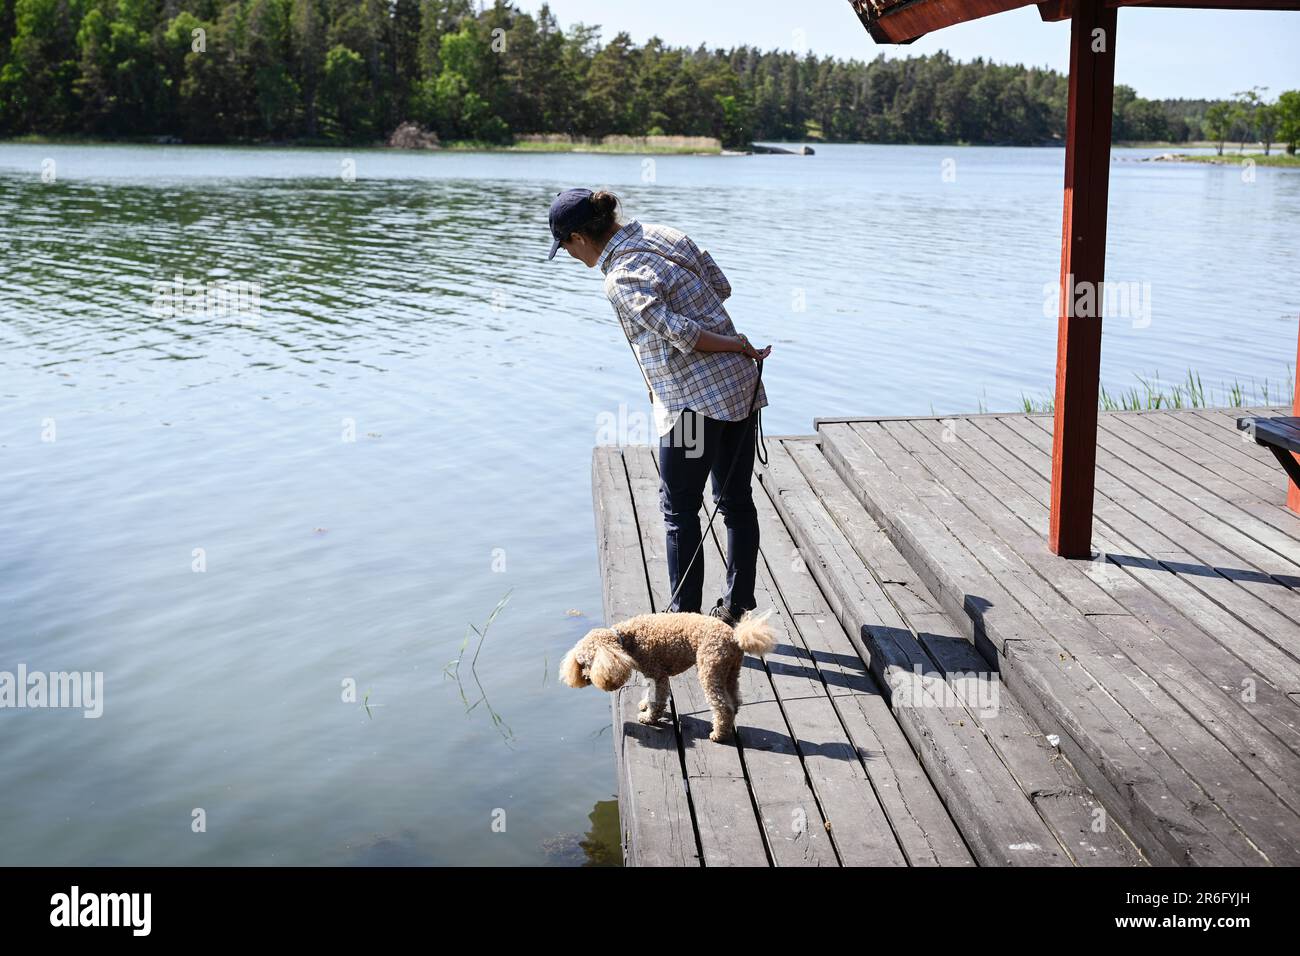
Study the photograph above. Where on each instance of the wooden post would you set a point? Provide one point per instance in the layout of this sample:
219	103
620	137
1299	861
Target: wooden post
1083	265
1292	492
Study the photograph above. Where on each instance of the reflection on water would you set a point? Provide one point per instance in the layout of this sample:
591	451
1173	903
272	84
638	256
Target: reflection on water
600	847
236	521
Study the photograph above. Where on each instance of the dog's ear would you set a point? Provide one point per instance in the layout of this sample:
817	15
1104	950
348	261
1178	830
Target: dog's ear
611	667
571	670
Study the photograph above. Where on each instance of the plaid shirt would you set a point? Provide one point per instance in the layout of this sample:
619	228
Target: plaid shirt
663	308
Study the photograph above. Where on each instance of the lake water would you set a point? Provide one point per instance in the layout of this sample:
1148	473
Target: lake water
401	436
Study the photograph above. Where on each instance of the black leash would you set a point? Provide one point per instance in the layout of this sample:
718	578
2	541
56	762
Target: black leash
760	452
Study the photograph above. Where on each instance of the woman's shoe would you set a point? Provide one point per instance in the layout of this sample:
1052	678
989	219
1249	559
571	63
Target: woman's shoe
724	613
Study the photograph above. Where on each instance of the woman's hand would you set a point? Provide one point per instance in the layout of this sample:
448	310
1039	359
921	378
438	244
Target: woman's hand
714	342
749	351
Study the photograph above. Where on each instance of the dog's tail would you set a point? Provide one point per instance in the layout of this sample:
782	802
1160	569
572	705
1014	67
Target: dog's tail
754	634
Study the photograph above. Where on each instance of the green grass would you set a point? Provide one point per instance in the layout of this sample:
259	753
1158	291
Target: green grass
460	146
1190	393
1162	143
453	670
1280	159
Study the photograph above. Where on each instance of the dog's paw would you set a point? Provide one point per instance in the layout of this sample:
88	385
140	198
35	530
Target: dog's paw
647	716
645	705
718	736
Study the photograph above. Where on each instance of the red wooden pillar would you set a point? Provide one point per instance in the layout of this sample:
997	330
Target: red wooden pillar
1293	493
1083	265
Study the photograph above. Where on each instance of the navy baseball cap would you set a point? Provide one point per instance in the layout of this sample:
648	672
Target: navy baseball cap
571	210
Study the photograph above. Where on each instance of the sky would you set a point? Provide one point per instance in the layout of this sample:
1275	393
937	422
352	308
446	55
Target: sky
1160	53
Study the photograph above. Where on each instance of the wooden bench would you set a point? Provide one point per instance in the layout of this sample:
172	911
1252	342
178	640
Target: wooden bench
1279	435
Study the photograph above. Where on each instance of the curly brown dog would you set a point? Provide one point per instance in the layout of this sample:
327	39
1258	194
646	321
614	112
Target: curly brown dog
661	646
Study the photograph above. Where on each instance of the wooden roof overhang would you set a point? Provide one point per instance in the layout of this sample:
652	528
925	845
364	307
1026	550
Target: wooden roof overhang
1083	226
902	21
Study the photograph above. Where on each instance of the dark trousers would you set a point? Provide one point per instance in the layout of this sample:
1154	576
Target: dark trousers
697	447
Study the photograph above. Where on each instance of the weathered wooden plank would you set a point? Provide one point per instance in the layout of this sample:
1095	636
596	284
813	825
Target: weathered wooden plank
995	816
1182	640
1170	654
788	716
883	761
1194	494
1232	446
1229	654
704	757
1046	778
1163	430
917	816
854	817
1273	714
1220	426
1149	704
654	810
1219	479
1079	819
766	756
724	812
1239	620
793	811
819	421
1103	639
846	808
1209	601
791	816
1190	530
1159	805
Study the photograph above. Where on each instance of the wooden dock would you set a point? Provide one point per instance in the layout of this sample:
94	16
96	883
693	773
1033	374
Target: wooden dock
946	691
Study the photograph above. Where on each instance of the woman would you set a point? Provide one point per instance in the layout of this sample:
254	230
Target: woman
703	383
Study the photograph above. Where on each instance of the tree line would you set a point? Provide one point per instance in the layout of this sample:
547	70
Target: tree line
353	70
1250	117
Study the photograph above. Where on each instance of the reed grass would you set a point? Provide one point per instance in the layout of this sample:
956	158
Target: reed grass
1189	393
452	670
